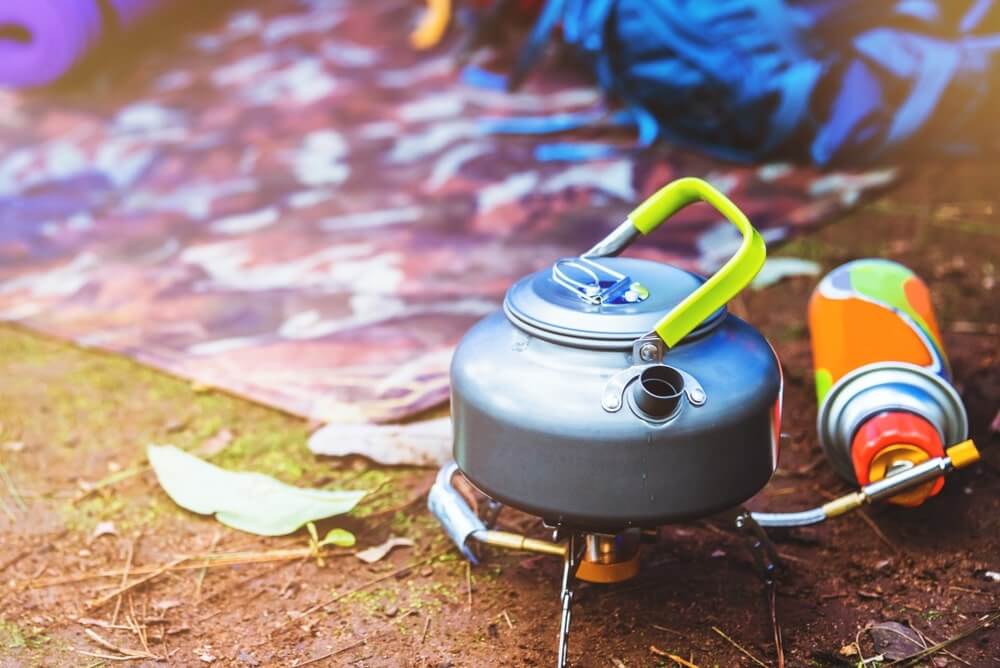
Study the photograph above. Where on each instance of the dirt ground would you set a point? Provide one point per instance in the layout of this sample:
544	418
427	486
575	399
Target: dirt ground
75	424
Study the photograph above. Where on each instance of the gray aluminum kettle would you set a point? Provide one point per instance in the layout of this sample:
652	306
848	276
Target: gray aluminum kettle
615	392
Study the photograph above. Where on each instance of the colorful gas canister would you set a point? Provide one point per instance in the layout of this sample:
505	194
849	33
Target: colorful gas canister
882	379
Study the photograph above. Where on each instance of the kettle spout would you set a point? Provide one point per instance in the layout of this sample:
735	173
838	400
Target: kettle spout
658	390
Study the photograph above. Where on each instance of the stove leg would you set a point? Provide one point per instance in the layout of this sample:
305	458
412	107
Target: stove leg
765	554
493	509
571	562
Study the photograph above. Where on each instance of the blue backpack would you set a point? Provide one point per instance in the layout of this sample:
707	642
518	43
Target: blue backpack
825	81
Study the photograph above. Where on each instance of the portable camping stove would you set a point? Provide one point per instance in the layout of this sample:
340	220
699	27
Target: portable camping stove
582	404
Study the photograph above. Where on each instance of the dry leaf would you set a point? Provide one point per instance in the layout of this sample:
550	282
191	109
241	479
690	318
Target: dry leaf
216	443
894	640
849	650
423	443
779	268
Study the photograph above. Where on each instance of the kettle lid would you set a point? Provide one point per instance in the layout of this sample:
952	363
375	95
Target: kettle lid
612	300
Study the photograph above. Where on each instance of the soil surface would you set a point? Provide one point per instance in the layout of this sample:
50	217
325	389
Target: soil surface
78	499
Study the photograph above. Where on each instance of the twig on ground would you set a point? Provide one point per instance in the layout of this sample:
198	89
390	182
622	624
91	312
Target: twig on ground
291	580
361	587
128	565
739	647
878	532
333	653
124	651
32	550
506	618
138	629
186	563
914	659
200	578
967	590
772	606
7	511
668	630
241	583
673	657
110	480
104	624
107	657
98	602
427	625
12	490
928	641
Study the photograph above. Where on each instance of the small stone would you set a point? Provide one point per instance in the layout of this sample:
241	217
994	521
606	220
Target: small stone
103	529
993	576
716	553
247	658
882	565
390	610
426	571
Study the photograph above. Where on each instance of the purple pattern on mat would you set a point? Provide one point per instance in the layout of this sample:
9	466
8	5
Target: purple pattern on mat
295	207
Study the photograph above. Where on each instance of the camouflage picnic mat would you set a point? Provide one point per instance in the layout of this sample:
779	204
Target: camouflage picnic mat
293	205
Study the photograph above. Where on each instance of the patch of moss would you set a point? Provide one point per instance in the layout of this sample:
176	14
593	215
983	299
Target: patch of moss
14	637
125	511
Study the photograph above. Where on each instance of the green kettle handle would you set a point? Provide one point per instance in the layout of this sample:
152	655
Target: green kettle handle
724	284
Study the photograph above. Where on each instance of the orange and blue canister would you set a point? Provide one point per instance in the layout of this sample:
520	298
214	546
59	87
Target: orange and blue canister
886	402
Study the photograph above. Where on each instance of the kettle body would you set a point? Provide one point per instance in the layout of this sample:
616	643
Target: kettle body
578	404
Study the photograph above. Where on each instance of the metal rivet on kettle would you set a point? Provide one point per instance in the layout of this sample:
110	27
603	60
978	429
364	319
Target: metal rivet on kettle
648	352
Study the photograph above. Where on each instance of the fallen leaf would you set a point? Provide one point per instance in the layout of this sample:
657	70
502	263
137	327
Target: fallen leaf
251	502
423	443
176	425
216	443
778	268
894	640
849	650
103	529
378	552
